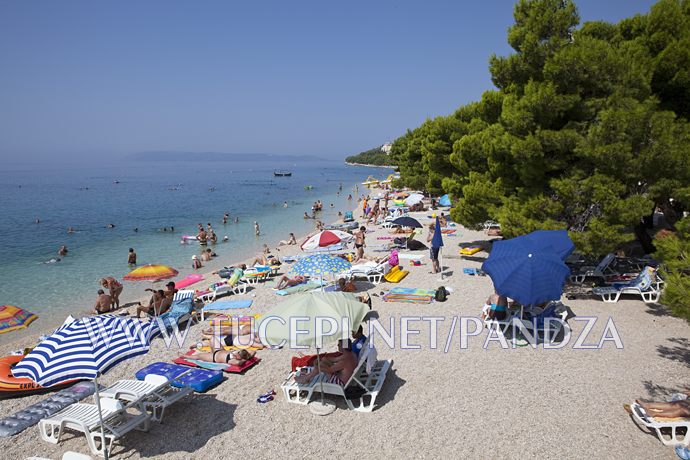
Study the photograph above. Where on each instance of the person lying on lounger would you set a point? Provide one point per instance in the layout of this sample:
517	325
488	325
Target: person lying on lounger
234	357
673	409
285	281
338	369
231	336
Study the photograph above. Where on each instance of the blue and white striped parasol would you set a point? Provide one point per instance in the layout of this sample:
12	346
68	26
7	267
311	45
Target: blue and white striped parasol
86	348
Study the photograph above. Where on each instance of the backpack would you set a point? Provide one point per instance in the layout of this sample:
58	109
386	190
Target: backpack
441	294
393	259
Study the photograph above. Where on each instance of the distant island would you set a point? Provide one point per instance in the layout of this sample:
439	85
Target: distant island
219	156
378	156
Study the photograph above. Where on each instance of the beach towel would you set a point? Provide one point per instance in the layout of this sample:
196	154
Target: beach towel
304	287
220	305
233	369
410	295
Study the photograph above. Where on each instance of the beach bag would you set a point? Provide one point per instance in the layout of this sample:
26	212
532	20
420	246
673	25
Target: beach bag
393	259
441	294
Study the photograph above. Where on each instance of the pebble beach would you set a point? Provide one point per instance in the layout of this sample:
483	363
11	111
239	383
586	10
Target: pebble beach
441	397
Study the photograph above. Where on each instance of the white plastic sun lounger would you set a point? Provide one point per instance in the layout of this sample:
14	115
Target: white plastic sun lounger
369	383
238	288
84	418
647	285
674	438
154	392
601	270
373	272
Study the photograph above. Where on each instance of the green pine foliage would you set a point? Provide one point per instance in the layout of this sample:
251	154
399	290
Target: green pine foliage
674	251
587	129
375	156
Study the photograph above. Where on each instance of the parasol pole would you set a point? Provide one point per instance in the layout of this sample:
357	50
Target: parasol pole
104	443
318	363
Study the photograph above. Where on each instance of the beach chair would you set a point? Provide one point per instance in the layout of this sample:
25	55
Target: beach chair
84	418
366	384
372	271
255	275
182	310
605	268
238	288
647	285
670	425
155	393
549	322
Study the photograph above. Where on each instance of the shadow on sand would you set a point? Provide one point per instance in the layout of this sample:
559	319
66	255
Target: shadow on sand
679	350
190	419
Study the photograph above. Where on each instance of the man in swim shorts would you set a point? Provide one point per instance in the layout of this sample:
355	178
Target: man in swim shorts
132	257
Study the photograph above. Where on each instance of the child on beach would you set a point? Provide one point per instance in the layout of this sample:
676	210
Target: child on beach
196	263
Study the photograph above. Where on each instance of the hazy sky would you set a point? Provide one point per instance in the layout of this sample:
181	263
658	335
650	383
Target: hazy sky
297	77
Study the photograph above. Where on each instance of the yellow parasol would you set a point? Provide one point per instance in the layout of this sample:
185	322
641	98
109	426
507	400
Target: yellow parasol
151	273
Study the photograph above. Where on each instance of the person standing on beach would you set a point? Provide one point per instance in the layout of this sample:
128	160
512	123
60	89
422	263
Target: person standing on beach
115	289
132	257
257	230
359	242
433	252
201	236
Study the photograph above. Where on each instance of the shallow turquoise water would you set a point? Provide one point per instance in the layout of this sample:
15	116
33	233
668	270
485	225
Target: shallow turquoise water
149	196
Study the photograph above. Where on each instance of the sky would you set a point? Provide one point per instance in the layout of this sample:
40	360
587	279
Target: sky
85	79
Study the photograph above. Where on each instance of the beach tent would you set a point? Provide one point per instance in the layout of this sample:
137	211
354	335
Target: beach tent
444	200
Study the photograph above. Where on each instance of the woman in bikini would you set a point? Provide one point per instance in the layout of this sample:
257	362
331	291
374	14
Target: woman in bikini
115	289
232	357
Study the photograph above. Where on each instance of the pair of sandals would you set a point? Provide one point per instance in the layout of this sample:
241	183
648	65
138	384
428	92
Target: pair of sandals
264	398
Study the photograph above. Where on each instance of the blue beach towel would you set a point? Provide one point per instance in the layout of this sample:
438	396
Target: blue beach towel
228	304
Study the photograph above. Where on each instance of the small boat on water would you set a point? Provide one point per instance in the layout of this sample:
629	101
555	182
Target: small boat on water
282	173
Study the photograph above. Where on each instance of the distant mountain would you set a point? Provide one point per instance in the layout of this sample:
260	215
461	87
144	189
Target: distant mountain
219	156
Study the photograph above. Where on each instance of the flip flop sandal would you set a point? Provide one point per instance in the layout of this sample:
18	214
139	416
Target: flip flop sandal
263	399
683	452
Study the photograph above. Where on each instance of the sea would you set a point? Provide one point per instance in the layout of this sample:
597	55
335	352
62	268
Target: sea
143	200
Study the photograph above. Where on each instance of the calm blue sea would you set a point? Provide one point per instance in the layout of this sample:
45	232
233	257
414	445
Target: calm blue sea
149	196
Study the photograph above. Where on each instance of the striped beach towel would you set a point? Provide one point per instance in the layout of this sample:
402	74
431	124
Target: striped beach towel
410	295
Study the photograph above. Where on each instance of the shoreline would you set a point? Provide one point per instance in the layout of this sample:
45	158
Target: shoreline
129	303
371	166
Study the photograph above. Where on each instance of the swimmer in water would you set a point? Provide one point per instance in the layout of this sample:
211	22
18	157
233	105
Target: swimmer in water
226	239
110	226
62	252
52	261
70	230
237	220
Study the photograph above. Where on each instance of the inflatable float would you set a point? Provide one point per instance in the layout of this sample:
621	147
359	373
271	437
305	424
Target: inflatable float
188	281
12	387
188	239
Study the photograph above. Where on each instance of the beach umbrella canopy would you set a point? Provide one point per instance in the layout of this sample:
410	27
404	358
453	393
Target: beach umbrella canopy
325	239
414	199
343	307
525	271
13	318
151	273
407	222
558	240
444	200
84	349
320	265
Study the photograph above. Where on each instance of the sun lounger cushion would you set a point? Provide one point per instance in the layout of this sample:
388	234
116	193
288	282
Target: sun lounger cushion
32	414
395	275
228	304
199	380
234	369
